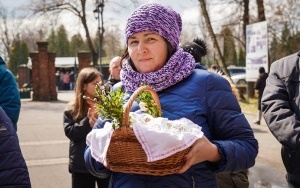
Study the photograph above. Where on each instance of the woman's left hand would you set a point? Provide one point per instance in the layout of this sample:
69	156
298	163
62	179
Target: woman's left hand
202	150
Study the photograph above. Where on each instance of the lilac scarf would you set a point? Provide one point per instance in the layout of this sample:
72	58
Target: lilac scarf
180	65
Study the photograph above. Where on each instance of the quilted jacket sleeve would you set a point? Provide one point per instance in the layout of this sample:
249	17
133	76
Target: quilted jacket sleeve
9	96
231	131
13	169
75	130
280	102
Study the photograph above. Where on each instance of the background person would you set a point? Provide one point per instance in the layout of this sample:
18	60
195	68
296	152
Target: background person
260	85
66	80
72	80
114	72
9	94
154	57
280	105
79	119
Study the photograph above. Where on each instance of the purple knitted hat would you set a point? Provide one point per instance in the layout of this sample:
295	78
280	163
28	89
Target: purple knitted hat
158	18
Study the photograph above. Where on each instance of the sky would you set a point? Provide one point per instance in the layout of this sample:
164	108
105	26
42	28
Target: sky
113	13
115	16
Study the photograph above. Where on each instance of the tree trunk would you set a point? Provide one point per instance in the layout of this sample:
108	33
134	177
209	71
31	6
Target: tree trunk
260	10
87	34
245	19
219	57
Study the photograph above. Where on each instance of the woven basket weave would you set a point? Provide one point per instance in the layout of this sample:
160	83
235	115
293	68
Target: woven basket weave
125	153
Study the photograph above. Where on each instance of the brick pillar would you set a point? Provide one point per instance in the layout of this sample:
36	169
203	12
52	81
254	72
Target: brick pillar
23	75
43	74
84	60
52	80
35	75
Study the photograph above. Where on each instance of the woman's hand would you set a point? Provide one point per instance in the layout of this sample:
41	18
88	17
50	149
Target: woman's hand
93	116
202	150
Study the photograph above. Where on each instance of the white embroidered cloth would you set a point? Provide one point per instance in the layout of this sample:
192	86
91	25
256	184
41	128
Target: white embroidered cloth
98	140
159	137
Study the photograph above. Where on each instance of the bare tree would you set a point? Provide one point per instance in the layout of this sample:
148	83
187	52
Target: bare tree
260	10
112	44
220	59
78	8
9	28
245	20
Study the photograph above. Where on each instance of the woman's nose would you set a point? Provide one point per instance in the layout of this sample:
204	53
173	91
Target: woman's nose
142	48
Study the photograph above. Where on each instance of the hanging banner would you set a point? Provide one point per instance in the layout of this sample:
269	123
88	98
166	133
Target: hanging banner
256	49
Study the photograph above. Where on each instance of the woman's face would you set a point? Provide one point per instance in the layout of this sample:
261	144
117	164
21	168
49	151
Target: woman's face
148	51
89	88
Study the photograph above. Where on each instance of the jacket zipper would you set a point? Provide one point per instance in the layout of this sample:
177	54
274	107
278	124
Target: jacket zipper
193	180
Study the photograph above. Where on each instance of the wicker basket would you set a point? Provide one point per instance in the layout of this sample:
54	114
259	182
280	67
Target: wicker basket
125	153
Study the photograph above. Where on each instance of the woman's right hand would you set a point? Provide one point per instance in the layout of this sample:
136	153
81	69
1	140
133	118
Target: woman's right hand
93	116
202	150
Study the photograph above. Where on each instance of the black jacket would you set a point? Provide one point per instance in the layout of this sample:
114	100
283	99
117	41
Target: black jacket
281	110
13	169
110	83
76	132
260	85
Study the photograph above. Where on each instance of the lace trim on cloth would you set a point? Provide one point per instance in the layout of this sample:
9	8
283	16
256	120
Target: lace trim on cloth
161	138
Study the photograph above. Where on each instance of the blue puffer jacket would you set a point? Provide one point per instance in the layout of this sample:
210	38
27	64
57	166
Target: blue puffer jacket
13	169
9	94
206	99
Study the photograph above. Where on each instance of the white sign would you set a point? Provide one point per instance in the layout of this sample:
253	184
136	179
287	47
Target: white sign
256	49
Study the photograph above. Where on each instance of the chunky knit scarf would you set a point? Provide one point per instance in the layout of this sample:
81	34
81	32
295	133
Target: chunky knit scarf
179	66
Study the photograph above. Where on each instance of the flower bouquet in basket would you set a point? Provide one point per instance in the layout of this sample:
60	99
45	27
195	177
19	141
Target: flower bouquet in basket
143	143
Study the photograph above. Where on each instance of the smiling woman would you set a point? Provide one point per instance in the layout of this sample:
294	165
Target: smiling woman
154	58
147	49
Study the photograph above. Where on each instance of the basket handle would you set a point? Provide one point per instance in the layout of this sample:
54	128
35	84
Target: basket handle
127	107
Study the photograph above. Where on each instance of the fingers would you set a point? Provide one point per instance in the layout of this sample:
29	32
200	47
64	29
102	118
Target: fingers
191	157
92	117
185	167
202	150
89	112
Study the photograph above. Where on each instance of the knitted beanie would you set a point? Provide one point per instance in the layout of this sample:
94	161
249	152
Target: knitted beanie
197	48
158	18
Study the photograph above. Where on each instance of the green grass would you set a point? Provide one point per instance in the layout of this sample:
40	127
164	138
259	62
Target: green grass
250	107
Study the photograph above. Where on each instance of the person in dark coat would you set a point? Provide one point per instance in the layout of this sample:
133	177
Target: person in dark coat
114	72
79	119
260	85
13	168
154	57
9	94
280	106
239	179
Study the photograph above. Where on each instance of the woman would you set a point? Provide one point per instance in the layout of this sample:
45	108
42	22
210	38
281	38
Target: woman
154	57
79	119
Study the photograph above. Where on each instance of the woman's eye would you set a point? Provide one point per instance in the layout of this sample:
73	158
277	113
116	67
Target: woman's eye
133	42
151	39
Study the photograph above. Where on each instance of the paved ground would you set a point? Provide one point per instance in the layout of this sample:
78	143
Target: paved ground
45	147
